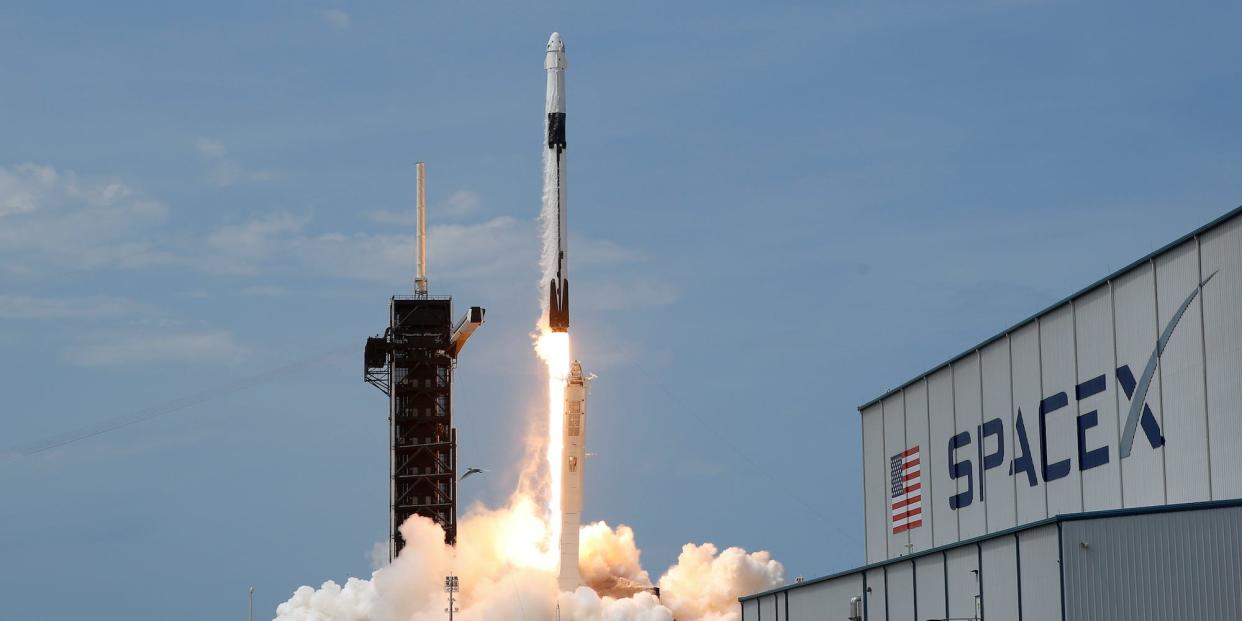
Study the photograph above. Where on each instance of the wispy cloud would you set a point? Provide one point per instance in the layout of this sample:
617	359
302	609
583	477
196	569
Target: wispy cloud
51	217
244	248
51	220
335	18
495	250
223	170
114	349
458	204
27	307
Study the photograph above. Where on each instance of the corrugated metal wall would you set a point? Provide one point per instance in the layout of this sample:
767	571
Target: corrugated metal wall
1039	579
1068	376
1000	579
900	591
929	587
917	589
877	593
823	600
1184	565
1181	564
1222	329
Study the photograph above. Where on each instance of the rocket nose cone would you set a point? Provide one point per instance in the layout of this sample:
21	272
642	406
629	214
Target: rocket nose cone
555	44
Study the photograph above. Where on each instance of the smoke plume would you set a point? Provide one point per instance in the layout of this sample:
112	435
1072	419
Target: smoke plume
506	573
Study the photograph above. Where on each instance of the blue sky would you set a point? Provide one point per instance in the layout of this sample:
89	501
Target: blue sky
778	212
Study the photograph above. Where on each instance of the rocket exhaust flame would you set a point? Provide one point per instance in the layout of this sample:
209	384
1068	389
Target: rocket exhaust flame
553	349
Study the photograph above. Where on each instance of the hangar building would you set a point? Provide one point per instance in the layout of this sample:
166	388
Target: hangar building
1085	464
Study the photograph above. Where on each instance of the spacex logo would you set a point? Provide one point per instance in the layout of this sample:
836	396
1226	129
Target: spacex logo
1091	452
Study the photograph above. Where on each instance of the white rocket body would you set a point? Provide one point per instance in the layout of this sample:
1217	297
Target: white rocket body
573	462
554	133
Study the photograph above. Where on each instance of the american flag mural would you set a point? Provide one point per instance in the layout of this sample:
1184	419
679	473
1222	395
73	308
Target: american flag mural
907	490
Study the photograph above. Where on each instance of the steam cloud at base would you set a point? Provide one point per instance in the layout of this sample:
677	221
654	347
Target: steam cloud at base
506	573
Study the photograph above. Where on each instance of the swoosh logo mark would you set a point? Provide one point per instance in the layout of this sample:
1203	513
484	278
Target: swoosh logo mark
1140	392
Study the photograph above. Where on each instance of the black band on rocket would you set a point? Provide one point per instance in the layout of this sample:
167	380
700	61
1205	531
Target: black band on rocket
556	130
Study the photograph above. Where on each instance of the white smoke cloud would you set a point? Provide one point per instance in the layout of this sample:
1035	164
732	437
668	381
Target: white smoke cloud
704	585
330	601
585	605
609	559
505	572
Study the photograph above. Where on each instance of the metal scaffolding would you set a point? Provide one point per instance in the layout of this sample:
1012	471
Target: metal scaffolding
413	365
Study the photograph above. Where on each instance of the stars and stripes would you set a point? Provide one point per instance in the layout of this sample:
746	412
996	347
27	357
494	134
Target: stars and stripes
907	490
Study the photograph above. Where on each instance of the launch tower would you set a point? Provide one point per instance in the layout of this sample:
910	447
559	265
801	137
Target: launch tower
412	364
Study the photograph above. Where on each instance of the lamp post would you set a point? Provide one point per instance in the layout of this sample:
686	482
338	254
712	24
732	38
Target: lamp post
250	606
451	586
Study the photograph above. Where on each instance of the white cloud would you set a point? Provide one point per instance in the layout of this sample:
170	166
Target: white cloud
27	307
500	252
462	203
51	220
590	251
209	148
499	248
335	18
243	248
458	204
52	217
213	346
222	169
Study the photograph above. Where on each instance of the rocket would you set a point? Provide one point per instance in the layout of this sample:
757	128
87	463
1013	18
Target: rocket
572	463
554	130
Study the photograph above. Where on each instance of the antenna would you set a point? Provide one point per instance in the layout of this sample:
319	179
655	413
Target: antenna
420	280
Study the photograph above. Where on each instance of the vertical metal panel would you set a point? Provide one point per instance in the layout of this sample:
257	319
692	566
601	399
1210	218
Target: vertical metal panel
1221	250
960	567
1000	579
917	435
777	608
998	491
1182	565
1041	574
1056	336
1093	326
940	419
894	443
824	600
1024	360
876	608
900	591
874	483
1181	377
929	583
968	416
1134	316
750	610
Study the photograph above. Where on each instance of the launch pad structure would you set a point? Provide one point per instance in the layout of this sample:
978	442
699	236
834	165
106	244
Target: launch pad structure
412	364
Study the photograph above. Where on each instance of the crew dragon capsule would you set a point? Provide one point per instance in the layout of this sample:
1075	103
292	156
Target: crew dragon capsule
558	288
